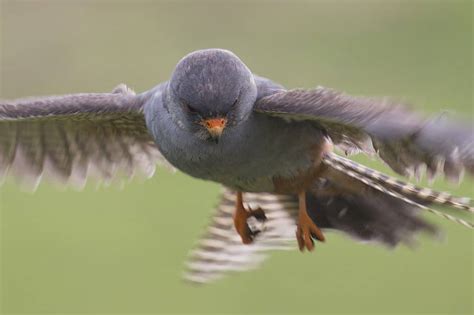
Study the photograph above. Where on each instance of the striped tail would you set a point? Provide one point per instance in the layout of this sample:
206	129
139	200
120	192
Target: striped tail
401	190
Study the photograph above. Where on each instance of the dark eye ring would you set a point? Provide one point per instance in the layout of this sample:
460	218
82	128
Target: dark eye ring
235	103
189	108
236	100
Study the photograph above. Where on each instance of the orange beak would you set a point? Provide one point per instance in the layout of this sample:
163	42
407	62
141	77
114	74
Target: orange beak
214	126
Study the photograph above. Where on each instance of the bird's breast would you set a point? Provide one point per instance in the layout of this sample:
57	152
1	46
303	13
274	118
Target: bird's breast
260	154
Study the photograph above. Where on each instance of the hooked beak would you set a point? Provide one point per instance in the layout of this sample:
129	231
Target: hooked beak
214	126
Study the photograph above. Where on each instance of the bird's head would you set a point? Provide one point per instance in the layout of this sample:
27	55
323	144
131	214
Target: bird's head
210	91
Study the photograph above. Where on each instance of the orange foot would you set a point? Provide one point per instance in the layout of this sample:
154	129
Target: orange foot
306	229
240	220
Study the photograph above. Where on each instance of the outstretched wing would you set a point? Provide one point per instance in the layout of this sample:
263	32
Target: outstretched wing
69	138
221	249
404	140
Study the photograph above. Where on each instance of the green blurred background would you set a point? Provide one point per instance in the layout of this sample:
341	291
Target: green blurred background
109	250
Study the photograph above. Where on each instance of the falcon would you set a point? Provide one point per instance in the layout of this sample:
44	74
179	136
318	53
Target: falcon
273	149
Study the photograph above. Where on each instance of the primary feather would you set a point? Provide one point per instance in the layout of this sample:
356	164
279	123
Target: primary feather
70	138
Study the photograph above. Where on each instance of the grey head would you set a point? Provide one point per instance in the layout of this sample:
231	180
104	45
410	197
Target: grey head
210	91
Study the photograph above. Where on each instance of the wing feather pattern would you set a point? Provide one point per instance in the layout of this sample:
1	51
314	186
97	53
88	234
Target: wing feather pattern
407	142
221	249
74	137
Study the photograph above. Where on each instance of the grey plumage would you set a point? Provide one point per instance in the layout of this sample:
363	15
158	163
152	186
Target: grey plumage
403	139
69	138
266	141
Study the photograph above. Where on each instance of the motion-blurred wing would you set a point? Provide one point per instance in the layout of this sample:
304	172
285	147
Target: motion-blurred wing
346	201
402	139
72	137
221	249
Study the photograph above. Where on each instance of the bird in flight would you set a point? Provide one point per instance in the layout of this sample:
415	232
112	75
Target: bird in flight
272	149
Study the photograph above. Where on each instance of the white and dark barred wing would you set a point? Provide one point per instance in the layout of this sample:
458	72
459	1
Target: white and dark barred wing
404	140
221	249
72	137
385	199
419	194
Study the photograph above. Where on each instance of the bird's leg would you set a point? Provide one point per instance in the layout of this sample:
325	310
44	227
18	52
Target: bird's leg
240	219
306	228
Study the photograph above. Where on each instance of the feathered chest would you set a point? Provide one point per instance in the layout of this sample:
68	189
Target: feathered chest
247	157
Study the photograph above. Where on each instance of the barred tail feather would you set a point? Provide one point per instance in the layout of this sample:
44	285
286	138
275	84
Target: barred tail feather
404	188
221	250
333	161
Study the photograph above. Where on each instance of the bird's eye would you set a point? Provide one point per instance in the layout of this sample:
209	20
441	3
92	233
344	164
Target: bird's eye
190	109
234	104
236	100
